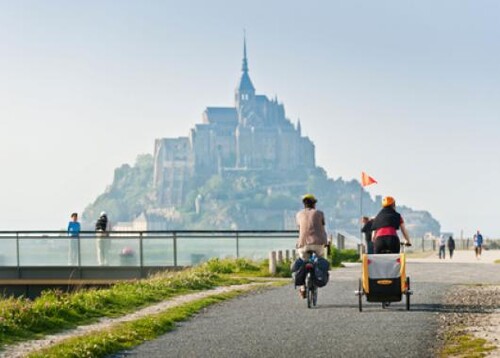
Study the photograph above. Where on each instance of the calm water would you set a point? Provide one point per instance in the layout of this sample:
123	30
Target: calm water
125	251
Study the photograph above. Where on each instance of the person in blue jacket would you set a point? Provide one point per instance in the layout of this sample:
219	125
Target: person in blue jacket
478	244
74	234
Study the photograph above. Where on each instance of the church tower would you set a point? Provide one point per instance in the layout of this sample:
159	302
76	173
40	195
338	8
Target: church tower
245	92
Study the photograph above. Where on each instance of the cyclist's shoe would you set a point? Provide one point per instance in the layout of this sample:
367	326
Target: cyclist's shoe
302	292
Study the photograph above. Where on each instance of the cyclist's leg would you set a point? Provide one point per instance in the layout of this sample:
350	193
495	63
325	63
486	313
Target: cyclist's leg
395	245
318	250
379	245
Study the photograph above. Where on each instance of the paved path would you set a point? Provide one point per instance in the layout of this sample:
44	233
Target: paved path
277	323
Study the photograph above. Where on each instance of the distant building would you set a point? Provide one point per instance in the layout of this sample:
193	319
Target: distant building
253	135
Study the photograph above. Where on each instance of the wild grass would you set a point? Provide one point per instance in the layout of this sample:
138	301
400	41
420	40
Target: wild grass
463	344
338	256
130	334
54	311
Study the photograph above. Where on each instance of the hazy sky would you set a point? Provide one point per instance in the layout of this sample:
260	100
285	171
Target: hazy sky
405	90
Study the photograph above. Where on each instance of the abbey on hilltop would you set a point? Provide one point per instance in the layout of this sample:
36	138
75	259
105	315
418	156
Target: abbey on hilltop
251	136
243	168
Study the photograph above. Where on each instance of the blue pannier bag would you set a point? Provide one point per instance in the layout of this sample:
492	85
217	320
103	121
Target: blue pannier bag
299	272
321	275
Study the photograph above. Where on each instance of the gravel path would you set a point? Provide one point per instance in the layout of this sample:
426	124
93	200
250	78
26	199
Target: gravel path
277	323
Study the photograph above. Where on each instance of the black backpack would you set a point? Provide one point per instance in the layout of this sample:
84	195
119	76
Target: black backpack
321	274
299	272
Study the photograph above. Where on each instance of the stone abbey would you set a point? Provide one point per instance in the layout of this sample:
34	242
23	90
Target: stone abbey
253	135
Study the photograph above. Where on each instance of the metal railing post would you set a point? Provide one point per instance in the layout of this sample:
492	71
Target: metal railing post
141	251
175	248
79	252
18	256
237	245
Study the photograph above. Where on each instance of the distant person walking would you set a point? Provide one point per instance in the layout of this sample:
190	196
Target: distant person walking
442	246
451	246
102	247
367	231
74	234
478	244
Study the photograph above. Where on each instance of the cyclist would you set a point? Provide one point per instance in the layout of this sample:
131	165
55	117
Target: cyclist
312	234
386	224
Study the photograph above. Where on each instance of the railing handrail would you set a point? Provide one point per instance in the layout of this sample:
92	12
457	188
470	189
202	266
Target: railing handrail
138	232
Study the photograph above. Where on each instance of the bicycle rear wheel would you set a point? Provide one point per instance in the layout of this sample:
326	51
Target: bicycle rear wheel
309	291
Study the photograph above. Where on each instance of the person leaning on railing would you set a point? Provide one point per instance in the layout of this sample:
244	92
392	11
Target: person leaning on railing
101	227
73	233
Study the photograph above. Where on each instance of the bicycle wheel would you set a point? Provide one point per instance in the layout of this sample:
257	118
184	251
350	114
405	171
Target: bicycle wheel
309	291
315	295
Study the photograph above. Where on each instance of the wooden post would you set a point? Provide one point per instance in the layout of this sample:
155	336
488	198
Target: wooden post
287	255
294	255
272	262
280	257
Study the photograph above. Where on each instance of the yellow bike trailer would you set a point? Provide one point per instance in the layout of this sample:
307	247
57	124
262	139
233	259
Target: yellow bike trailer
383	279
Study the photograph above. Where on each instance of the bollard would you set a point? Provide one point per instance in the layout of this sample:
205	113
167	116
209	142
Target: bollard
294	255
280	257
361	250
340	242
287	255
272	262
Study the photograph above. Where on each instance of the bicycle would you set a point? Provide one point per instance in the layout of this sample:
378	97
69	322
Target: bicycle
310	286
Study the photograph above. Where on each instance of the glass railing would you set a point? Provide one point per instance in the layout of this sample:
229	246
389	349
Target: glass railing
138	248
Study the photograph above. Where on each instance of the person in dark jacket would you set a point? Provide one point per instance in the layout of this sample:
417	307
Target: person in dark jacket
101	227
367	231
451	246
386	224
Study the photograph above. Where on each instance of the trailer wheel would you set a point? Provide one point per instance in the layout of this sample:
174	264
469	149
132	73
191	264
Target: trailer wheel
408	293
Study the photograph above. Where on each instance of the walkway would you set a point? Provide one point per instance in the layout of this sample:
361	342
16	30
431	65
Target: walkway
277	323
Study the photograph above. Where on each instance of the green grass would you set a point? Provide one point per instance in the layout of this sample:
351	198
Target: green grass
55	311
246	268
465	345
338	256
130	334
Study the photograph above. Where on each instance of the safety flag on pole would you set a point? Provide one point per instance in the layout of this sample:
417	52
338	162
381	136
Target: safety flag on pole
367	180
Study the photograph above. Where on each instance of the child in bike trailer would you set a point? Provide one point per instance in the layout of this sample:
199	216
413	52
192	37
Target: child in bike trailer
386	224
312	234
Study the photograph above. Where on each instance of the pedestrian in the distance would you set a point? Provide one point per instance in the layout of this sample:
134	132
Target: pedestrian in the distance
74	234
442	246
101	228
478	244
367	231
451	246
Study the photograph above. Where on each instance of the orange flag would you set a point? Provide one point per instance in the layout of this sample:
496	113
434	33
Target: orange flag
367	180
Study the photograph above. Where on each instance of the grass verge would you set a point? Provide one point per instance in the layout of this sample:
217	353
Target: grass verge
463	344
497	261
127	335
55	311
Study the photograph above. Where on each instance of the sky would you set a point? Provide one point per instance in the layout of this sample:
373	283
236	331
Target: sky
407	91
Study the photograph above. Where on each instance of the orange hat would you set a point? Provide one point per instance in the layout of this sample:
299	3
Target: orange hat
388	201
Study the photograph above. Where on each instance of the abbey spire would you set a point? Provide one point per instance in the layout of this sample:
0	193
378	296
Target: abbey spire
245	90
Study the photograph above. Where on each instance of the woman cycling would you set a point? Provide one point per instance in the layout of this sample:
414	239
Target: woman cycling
386	224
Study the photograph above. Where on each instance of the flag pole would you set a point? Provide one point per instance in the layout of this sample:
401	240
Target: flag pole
360	213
